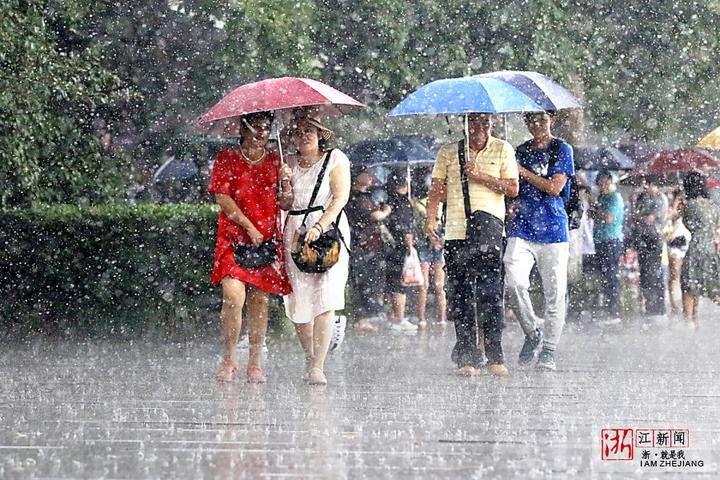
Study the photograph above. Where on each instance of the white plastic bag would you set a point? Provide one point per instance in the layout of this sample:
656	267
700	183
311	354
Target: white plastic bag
412	275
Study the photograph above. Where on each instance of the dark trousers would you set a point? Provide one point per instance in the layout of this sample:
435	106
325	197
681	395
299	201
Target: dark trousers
475	299
367	282
648	244
607	258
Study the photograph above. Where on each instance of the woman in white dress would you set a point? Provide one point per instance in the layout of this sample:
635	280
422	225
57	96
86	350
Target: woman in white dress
316	296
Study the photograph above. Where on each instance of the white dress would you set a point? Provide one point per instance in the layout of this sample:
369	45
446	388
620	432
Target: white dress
315	293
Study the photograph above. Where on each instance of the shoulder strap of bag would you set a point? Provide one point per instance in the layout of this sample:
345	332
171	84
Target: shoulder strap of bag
555	145
320	177
464	179
318	182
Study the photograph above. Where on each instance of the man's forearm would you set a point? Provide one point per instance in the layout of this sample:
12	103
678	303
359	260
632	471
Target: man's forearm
506	186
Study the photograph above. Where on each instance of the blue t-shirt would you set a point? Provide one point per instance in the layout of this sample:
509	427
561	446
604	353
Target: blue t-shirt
539	217
614	205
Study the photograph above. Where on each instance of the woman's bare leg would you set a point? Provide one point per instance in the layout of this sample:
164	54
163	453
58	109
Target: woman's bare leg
674	283
399	307
439	284
257	301
423	294
690	303
233	292
305	335
322	334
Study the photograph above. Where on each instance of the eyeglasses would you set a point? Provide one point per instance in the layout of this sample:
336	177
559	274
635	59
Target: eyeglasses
301	131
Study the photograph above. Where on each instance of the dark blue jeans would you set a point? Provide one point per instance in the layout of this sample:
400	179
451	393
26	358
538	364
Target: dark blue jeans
475	300
607	258
649	245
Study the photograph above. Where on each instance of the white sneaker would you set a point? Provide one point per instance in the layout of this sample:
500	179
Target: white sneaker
610	321
403	326
338	335
244	343
657	318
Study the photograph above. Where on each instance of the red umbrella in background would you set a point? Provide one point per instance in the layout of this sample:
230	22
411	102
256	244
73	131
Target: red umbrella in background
677	161
668	166
276	94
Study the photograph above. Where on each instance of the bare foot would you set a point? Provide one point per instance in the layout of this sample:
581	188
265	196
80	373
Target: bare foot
363	325
316	377
228	370
422	325
255	374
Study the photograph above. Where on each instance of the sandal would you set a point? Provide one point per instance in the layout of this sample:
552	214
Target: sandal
227	372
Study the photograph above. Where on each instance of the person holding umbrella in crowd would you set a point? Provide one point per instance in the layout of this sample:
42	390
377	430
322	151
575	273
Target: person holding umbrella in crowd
474	276
700	275
250	186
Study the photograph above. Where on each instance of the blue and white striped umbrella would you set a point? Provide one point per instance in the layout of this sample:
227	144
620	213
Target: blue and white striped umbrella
459	96
541	89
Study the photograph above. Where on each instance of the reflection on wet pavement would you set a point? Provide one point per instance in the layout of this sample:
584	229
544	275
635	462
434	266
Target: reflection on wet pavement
94	409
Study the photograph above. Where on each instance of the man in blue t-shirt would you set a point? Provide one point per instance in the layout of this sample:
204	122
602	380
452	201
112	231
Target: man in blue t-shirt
608	214
538	234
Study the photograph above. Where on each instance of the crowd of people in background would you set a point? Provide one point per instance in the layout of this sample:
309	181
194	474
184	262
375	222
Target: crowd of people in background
490	227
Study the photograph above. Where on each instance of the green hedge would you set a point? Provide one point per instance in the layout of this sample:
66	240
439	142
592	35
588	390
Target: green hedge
116	268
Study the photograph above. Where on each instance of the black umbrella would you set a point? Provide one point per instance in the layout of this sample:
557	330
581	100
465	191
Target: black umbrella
602	158
403	149
406	151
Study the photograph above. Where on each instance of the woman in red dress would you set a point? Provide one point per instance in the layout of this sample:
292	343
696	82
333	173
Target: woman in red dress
245	183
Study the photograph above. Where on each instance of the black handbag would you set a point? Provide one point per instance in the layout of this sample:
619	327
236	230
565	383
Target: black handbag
323	253
483	231
250	256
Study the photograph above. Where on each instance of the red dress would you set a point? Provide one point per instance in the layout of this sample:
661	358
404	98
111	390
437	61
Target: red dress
253	187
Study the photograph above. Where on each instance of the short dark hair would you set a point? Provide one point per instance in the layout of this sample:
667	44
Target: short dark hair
251	117
528	115
695	185
604	174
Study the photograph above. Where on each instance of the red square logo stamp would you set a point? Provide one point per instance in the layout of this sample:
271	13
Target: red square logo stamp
617	444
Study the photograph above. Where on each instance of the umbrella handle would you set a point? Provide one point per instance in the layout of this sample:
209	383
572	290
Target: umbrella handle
280	149
467	136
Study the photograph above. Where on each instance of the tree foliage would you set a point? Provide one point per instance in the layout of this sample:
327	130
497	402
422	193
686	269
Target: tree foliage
53	93
645	71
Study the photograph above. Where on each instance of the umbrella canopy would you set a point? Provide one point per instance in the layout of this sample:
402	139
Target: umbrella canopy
465	95
541	89
176	169
601	158
677	161
395	151
711	141
276	94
